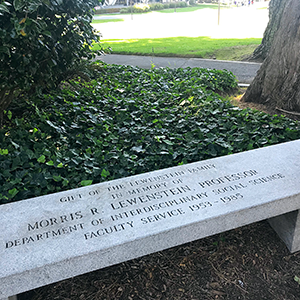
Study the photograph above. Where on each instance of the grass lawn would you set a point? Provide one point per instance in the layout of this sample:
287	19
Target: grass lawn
203	47
107	20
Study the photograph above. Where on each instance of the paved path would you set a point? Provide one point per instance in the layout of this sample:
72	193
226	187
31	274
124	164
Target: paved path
244	71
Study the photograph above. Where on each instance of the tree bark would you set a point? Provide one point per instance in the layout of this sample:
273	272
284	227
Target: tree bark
277	83
276	9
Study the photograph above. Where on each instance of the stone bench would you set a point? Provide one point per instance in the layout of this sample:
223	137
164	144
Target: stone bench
58	236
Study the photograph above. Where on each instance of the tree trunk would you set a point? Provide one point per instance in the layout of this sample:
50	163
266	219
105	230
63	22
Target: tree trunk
277	83
276	9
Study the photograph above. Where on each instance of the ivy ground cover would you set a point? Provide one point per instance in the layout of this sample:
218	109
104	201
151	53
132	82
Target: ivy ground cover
127	121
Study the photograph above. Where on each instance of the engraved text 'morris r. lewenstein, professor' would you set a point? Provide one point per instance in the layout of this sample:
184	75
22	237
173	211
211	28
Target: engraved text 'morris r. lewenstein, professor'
142	201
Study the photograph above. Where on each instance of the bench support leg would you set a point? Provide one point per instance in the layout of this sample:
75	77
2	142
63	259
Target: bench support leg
10	298
287	227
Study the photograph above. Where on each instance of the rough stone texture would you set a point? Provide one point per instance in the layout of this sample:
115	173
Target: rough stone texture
287	227
10	298
54	237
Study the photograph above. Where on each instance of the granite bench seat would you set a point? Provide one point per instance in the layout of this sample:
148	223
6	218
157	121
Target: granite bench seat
50	238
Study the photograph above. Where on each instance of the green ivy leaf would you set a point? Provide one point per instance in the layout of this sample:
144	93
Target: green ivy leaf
3	151
57	178
13	192
18	4
8	113
41	159
86	182
15	145
47	33
50	163
105	173
3	8
138	149
65	182
168	142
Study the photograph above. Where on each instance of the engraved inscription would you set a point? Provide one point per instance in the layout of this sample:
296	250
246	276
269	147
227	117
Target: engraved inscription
108	230
44	235
151	197
154	179
137	203
227	178
161	216
266	179
158	206
54	221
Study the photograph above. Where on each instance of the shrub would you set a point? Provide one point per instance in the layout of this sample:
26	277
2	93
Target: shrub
125	10
110	10
137	8
141	8
177	4
156	6
182	4
40	41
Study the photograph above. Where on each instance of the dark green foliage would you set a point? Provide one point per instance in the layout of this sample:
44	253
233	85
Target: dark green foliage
177	4
41	41
156	6
128	121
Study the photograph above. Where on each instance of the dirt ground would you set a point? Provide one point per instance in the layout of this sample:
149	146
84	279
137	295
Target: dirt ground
237	100
249	263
